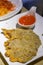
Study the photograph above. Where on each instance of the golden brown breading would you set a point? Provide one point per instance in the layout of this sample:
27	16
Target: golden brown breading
22	45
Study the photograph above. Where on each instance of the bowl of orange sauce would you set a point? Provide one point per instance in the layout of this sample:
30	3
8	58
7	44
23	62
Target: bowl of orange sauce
27	21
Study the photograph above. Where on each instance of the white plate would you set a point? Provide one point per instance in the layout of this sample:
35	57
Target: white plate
18	4
12	24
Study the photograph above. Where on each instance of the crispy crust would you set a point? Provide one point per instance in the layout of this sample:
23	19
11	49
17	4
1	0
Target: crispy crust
22	45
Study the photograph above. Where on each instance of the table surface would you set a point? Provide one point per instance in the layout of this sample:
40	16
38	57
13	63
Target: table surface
39	61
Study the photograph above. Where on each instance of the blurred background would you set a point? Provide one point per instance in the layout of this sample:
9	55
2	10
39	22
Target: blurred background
38	3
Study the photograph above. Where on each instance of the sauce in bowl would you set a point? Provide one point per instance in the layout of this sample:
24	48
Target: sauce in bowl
27	20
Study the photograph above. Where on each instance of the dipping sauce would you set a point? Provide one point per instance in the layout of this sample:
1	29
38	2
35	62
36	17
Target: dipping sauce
27	20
